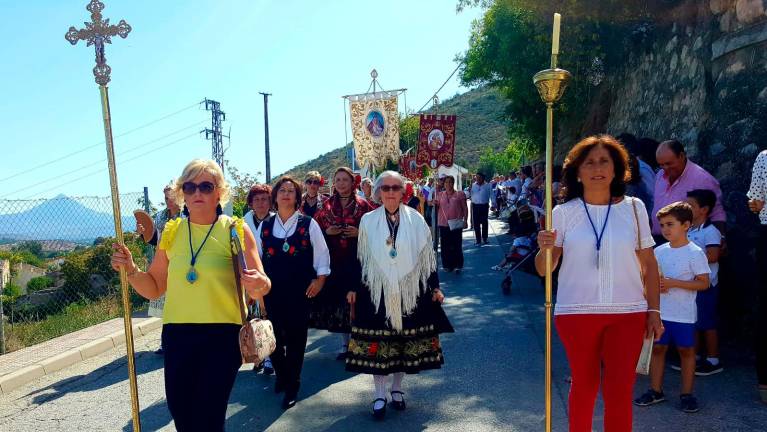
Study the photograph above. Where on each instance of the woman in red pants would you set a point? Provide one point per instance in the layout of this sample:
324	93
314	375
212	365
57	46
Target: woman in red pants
608	298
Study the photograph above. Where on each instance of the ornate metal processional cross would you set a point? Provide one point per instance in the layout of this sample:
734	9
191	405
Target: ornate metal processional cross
97	33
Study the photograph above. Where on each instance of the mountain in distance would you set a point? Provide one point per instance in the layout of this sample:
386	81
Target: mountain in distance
60	218
480	124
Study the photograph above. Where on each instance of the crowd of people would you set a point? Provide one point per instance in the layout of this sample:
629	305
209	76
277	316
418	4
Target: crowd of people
357	262
638	230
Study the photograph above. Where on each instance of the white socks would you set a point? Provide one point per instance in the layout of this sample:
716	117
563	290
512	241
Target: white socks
396	385
380	388
713	360
380	391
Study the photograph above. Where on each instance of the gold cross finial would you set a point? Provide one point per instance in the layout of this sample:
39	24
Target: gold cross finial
98	33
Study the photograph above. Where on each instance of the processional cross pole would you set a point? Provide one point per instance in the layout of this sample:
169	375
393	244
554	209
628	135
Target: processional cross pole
99	32
551	84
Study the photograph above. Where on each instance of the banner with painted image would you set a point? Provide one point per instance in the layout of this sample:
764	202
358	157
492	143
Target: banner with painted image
436	141
375	128
409	168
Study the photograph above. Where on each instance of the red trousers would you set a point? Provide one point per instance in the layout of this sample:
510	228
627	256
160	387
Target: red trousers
602	347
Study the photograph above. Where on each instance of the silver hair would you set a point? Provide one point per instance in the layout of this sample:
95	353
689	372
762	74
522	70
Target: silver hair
379	182
367	181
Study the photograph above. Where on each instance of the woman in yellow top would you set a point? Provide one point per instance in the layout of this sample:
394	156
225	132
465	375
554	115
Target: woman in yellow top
201	320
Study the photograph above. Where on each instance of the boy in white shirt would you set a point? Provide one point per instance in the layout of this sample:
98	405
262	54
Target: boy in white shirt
684	271
707	237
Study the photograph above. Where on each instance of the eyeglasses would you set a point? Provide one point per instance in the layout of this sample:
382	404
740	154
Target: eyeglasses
206	187
314	182
392	188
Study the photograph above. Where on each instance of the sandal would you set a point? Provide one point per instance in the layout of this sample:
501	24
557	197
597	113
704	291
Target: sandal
398	405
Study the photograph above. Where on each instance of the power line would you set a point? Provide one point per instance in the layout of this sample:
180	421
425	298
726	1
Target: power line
58	176
66	156
100	170
441	87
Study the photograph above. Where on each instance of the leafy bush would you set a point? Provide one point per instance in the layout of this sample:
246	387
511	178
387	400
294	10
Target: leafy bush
38	283
12	290
21	256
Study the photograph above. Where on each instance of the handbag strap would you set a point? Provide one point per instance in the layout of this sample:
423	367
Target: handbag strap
237	277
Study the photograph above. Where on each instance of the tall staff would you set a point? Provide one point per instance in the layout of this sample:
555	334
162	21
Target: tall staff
97	33
551	84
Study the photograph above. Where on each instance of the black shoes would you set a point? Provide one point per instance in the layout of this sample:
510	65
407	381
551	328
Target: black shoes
651	397
398	405
379	414
688	403
289	401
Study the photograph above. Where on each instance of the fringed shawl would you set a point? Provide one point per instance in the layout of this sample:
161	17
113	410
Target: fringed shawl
400	279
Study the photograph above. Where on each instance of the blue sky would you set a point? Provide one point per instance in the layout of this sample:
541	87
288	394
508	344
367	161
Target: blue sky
307	53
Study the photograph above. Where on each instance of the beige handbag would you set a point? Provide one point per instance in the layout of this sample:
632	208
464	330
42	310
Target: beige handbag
257	340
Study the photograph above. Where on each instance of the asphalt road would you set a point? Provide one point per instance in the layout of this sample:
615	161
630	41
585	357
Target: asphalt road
492	379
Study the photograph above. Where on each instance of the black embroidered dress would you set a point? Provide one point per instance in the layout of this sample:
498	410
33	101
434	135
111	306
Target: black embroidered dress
375	348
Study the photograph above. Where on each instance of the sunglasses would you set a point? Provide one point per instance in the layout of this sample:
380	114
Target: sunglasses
314	182
206	187
392	188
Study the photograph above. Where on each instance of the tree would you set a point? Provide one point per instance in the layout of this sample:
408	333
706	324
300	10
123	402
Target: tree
512	42
33	247
240	186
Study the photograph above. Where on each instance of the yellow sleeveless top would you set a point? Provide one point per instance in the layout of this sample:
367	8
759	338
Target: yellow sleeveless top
212	298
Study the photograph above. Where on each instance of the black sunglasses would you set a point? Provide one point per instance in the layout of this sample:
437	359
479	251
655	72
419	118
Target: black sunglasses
392	188
314	182
206	187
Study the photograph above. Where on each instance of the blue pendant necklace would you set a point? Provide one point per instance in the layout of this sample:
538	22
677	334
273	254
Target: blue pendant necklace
191	275
601	234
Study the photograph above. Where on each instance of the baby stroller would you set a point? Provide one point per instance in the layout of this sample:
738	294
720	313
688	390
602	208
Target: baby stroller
523	226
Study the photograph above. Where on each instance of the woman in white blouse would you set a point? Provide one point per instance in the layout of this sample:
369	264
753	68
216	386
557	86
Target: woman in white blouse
608	297
757	195
294	253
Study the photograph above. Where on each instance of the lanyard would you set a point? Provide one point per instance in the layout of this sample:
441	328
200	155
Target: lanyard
594	228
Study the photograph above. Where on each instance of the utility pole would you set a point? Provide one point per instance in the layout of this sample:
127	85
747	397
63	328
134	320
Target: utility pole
214	134
266	136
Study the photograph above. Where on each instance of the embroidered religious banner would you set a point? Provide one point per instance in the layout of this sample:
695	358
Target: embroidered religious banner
375	128
409	168
436	141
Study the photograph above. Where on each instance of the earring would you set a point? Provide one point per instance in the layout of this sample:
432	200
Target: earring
186	211
579	179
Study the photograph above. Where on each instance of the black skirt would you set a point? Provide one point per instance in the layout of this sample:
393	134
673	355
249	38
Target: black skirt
329	309
375	348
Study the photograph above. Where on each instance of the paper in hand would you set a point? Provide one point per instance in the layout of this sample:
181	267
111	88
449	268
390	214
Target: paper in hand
643	365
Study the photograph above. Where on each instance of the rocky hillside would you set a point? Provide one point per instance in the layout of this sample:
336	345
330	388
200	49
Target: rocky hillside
480	124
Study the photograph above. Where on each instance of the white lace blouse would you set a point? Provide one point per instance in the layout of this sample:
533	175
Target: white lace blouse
613	286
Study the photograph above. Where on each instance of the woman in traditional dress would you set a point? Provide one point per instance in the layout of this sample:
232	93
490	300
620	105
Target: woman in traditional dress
397	311
312	200
339	219
202	315
296	259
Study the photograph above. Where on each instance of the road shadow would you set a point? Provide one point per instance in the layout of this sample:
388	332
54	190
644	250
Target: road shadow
105	376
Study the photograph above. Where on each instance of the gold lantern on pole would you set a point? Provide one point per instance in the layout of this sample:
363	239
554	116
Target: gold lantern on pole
551	84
